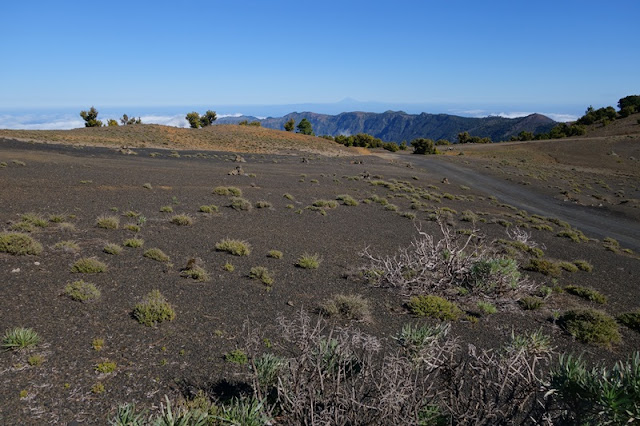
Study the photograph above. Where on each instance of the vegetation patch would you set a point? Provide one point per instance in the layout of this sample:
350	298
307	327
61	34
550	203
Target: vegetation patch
543	266
309	261
112	248
108	222
261	273
211	208
325	204
20	338
574	235
181	220
166	209
153	309
133	242
583	265
275	254
67	246
586	293
531	303
156	254
240	204
591	326
494	275
487	307
351	307
195	272
81	291
19	244
235	247
132	227
347	200
88	265
631	320
434	307
237	356
35	220
227	190
263	204
106	367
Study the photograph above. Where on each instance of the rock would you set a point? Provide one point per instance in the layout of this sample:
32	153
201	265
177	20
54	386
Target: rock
445	180
238	171
289	302
15	271
239	159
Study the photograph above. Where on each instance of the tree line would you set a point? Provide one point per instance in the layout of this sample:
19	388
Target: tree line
90	118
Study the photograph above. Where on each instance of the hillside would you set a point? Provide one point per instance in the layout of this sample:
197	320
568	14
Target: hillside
396	126
217	138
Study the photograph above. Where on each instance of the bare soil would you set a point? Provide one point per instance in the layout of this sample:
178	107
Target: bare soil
175	358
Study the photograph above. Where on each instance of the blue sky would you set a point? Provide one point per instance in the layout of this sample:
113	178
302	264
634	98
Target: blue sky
482	56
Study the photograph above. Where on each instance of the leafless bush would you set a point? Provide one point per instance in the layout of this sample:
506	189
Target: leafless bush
428	265
522	236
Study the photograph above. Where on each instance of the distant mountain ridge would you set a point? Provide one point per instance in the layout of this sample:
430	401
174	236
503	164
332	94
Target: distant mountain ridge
397	126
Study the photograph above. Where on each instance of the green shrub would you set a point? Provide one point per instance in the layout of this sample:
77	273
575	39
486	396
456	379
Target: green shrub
531	303
88	265
235	247
275	254
586	293
133	242
166	209
631	320
112	248
543	266
328	204
181	220
132	227
263	204
495	275
574	235
35	219
108	222
309	261
261	273
289	197
583	265
237	356
20	338
227	190
19	244
487	307
591	326
68	246
239	203
82	291
568	266
195	272
209	208
153	309
228	267
348	307
156	254
434	307
347	200
106	367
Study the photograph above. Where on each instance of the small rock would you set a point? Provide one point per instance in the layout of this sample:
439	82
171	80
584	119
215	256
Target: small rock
36	263
239	159
14	271
290	303
445	180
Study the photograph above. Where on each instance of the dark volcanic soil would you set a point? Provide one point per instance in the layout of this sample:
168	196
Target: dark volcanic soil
188	353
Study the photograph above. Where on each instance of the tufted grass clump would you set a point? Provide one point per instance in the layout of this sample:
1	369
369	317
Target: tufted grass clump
495	275
568	266
153	309
235	247
112	248
106	367
263	274
81	291
325	204
237	356
35	219
166	209
531	303
347	200
156	254
309	261
67	246
240	204
583	265
630	319
227	190
19	244
196	273
108	222
88	265
586	293
262	204
289	197
487	308
228	266
210	208
20	338
352	307
275	254
434	307
545	267
591	326
133	242
181	220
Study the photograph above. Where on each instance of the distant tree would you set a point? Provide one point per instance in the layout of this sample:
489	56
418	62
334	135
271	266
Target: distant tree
391	146
525	136
630	101
403	146
464	137
208	118
194	119
423	146
91	118
126	121
627	111
443	142
304	127
112	122
290	125
255	124
243	123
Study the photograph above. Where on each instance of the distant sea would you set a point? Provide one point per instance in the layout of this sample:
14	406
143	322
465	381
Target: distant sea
69	117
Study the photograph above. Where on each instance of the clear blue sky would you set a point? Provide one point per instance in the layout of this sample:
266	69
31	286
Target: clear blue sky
121	53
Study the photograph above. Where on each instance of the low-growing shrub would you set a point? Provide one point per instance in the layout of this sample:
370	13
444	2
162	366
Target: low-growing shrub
235	247
574	235
568	266
108	222
153	309
132	227
19	244
261	273
227	190
82	291
195	272
631	319
239	203
586	293
166	209
591	326
275	254
434	307
106	367
583	265
487	307
88	265
349	307
237	356
531	303
156	254
112	248
325	204
263	204
181	220
347	200
68	246
133	242
35	219
212	208
20	338
545	267
494	275
309	261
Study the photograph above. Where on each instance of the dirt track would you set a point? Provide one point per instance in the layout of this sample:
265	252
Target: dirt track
595	222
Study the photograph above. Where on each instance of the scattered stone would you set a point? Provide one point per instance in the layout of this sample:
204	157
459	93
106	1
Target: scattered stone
238	171
445	180
36	263
289	302
239	159
15	271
